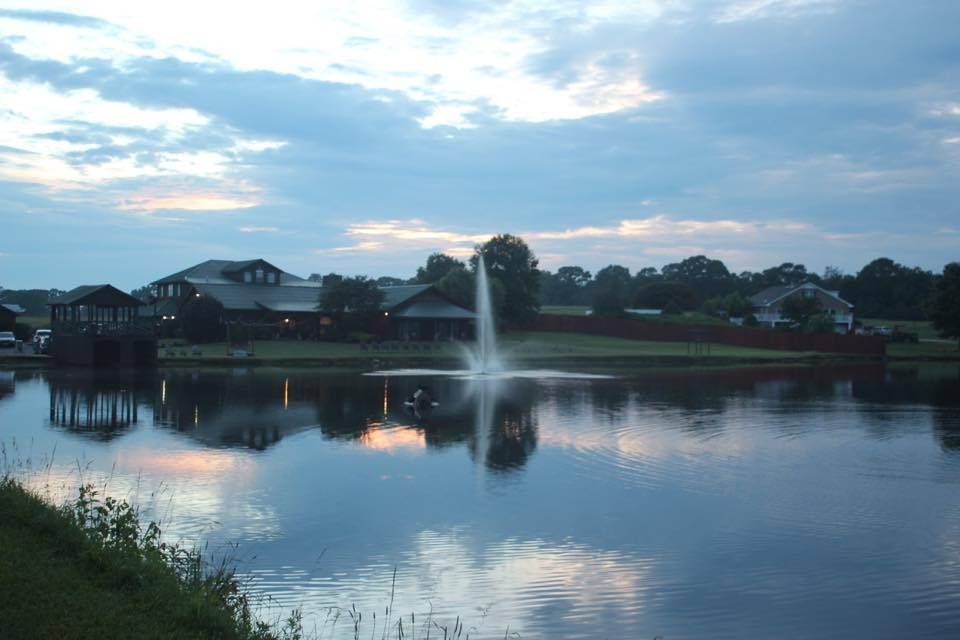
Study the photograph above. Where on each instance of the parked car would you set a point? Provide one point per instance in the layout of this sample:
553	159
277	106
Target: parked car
41	333
883	331
41	344
7	339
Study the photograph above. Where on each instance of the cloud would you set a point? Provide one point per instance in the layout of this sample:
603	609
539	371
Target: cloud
574	125
258	230
54	17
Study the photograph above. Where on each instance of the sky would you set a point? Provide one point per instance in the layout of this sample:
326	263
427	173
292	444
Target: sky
137	139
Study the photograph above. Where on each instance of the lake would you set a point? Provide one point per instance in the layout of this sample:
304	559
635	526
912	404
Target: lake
731	503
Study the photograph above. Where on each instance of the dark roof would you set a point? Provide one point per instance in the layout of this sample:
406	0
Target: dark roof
252	297
13	308
772	294
102	294
212	272
249	297
393	296
435	308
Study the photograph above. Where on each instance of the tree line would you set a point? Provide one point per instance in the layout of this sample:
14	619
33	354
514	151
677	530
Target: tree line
881	289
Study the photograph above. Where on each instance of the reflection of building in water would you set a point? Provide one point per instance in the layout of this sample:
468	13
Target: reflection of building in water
242	408
103	408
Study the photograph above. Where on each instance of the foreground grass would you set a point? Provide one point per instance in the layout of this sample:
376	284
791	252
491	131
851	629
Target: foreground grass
518	345
90	571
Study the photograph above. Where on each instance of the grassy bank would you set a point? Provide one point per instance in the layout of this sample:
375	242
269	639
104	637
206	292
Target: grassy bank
89	570
529	347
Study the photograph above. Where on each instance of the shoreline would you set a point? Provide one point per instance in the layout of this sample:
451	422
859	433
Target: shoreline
637	361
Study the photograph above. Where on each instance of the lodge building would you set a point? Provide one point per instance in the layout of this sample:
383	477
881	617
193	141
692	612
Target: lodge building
255	292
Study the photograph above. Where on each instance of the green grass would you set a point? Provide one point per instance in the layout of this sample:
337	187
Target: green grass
90	571
923	328
688	317
544	344
36	322
518	345
938	349
565	310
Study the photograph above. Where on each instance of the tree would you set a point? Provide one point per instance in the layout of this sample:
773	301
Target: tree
460	285
945	303
146	293
34	301
787	273
202	320
566	286
800	309
353	302
658	295
732	305
389	281
438	265
510	261
611	290
706	276
331	279
887	289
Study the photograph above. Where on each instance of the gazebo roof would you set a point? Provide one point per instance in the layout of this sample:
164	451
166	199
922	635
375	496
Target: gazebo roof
103	295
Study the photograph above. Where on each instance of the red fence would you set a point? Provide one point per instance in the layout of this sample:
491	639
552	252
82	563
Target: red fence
716	334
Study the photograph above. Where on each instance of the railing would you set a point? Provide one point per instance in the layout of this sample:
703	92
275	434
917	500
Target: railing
144	327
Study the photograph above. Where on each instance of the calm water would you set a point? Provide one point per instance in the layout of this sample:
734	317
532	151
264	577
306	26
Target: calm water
760	503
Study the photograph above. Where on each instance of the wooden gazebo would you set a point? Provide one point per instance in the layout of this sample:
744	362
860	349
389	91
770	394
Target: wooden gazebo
99	325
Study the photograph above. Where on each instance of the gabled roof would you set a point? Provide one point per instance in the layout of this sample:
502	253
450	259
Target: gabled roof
102	294
212	272
394	296
773	294
435	308
13	308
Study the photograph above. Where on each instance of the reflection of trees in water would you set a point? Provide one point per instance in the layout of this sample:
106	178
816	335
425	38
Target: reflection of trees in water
102	404
240	408
7	384
496	420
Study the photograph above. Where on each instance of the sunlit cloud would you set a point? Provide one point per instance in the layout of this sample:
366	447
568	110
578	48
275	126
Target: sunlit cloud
258	230
197	201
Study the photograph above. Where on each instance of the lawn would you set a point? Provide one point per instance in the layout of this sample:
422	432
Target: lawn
923	328
520	345
35	322
924	349
688	317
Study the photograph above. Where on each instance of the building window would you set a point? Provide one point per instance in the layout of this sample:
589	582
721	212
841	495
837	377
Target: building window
809	293
247	276
259	273
271	277
169	290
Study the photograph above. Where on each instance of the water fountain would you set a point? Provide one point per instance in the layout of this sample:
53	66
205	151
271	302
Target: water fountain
483	360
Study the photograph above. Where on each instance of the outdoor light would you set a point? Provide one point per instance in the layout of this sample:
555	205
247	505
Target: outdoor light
386	313
286	319
198	295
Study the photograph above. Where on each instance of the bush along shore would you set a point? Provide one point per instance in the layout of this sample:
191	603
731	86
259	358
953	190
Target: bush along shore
91	570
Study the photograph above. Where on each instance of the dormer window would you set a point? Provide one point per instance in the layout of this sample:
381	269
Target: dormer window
271	277
247	277
259	273
809	293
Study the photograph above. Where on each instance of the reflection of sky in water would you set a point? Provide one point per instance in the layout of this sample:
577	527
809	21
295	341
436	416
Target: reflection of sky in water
739	502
